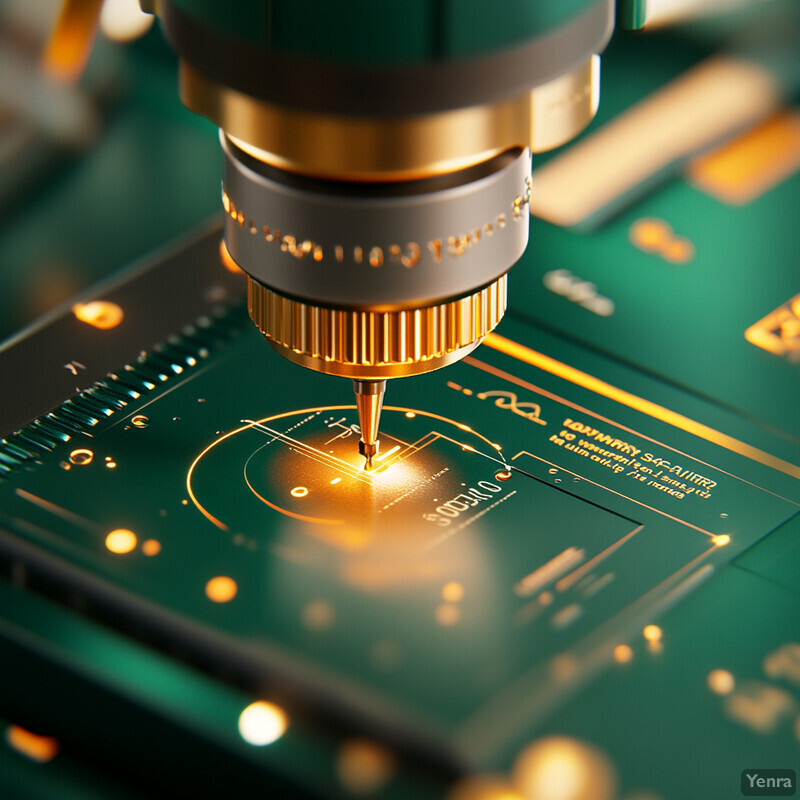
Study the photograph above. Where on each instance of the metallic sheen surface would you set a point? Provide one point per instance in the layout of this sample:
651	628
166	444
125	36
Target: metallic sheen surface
381	248
373	345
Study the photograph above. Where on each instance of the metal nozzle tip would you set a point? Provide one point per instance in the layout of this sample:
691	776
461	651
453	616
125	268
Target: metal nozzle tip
369	451
369	400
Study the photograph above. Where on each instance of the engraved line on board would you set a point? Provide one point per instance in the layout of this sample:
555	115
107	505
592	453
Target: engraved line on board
549	572
59	511
553	368
569	580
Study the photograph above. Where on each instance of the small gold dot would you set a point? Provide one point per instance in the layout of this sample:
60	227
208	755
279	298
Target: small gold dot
221	589
623	654
720	681
151	547
121	541
452	592
652	633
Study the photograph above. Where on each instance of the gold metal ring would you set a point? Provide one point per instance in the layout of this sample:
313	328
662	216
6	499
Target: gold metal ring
373	345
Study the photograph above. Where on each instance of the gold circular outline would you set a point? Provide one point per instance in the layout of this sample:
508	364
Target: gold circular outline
222	526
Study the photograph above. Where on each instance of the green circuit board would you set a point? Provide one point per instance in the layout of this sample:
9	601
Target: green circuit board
578	555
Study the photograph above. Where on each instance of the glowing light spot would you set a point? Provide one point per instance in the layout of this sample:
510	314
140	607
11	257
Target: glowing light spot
678	250
721	540
318	615
221	589
225	256
31	745
410	414
262	723
111	464
99	314
139	421
448	615
299	491
452	592
121	541
561	768
503	475
652	633
650	234
123	21
151	547
484	787
656	648
81	457
335	481
363	766
545	598
720	681
184	502
623	654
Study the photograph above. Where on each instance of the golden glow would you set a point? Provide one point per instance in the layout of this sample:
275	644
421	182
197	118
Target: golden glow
742	170
503	475
71	39
299	491
384	456
139	421
364	766
721	540
779	331
343	147
356	537
656	236
227	258
221	589
121	541
561	768
452	592
576	376
318	615
100	314
152	547
720	681
484	787
623	654
31	745
652	633
81	456
448	615
262	723
714	99
380	342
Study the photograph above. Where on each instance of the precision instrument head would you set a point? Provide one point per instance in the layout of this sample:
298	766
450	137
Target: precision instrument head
377	177
369	401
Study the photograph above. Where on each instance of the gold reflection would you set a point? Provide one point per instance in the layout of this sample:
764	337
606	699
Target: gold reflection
364	766
484	787
221	589
652	633
562	768
100	314
121	541
623	654
452	592
31	745
720	681
448	615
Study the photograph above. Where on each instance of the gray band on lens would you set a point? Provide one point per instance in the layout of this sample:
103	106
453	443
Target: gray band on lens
376	245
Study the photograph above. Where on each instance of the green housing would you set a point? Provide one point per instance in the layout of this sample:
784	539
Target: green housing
387	32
